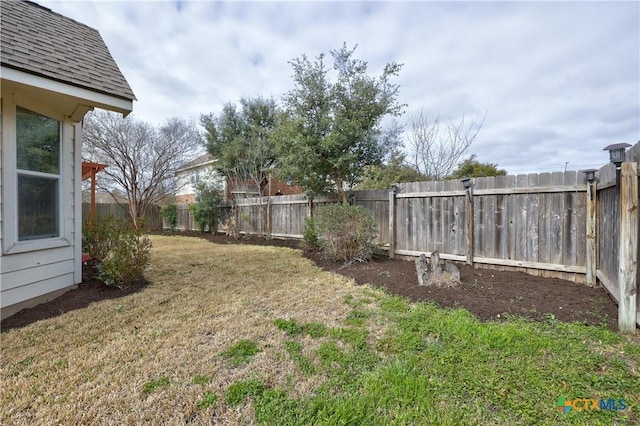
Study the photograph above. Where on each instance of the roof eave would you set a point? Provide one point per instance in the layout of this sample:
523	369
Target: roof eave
94	98
195	166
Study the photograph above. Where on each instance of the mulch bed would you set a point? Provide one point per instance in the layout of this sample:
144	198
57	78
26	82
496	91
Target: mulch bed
486	293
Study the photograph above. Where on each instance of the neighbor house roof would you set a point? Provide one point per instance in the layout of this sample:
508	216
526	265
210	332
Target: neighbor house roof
203	160
36	40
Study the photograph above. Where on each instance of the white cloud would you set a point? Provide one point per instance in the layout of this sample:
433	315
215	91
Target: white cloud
558	81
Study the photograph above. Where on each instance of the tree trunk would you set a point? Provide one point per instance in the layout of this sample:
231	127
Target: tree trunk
436	269
431	273
422	269
342	194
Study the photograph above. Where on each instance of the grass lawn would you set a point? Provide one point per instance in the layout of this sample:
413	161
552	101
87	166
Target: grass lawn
239	334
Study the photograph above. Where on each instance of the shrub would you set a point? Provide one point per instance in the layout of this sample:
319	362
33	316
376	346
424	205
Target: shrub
119	251
127	259
99	236
207	209
170	214
345	232
309	235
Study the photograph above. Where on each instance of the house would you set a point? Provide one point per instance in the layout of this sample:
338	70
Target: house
202	169
53	71
270	186
190	174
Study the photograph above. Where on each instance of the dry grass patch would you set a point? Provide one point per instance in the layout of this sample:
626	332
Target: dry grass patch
155	356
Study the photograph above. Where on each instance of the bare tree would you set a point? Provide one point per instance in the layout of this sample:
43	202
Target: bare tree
436	148
141	158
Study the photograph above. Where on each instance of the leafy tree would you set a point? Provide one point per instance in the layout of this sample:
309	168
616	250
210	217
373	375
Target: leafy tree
395	170
474	168
170	214
242	141
333	129
436	148
141	158
207	208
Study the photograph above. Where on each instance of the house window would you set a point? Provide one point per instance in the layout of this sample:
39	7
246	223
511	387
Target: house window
38	167
195	177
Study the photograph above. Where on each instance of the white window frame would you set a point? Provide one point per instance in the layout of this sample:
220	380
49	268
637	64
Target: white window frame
57	177
10	242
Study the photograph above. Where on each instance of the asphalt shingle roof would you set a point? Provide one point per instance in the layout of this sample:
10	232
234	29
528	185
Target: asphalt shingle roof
38	41
204	158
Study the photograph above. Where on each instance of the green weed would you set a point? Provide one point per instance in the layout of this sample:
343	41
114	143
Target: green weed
295	352
443	366
200	380
240	353
208	400
152	385
238	391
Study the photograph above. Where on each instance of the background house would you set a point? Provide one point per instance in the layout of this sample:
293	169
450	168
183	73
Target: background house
271	186
189	175
202	169
53	71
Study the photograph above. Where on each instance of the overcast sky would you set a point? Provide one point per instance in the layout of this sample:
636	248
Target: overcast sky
557	81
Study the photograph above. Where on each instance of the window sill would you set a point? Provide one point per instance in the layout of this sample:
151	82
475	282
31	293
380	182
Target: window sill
35	245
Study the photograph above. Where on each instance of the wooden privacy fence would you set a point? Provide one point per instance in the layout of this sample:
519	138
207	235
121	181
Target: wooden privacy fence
529	222
614	217
283	216
545	224
152	218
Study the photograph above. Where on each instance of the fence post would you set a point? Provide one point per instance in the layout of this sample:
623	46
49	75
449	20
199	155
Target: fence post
269	224
310	208
592	220
628	270
468	219
392	221
236	214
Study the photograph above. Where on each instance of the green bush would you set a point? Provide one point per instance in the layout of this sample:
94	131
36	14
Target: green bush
207	209
170	214
119	251
309	235
345	233
99	235
127	260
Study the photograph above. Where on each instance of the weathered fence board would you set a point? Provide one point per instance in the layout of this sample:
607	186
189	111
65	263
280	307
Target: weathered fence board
608	232
628	263
377	202
152	219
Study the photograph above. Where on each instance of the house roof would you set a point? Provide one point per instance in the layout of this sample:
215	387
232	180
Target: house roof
36	40
199	161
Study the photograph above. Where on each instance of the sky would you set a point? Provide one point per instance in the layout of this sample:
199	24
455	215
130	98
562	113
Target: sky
555	82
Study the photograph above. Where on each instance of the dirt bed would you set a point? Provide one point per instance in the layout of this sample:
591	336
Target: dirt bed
487	294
